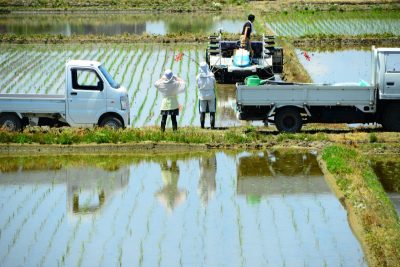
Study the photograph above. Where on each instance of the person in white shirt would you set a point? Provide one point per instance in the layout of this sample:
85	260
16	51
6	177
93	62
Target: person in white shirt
207	100
170	86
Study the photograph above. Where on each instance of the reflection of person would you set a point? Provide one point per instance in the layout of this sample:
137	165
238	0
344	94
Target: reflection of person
208	170
207	101
170	195
170	86
246	33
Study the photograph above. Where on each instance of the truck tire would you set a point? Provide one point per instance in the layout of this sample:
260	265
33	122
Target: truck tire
10	122
288	120
391	118
112	122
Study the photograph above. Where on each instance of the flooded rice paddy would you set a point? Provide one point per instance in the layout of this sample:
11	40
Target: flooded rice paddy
346	23
113	24
39	69
337	66
388	172
211	209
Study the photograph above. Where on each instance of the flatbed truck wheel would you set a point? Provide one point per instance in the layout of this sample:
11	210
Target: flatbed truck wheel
10	122
288	120
112	122
391	117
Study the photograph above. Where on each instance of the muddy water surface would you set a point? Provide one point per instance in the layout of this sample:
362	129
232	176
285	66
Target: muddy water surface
214	209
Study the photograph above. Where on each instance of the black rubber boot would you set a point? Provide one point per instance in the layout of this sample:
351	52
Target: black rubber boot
174	123
212	120
163	122
202	119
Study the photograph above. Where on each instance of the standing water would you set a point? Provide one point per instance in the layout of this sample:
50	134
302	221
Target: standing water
210	209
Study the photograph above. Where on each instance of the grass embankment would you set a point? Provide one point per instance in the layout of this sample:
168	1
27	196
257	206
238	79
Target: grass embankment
371	214
321	41
293	71
192	6
185	135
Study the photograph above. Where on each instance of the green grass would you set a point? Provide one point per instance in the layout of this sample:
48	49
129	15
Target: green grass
195	135
368	202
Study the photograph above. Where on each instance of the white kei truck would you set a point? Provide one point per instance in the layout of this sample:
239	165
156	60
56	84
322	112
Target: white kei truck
290	105
91	98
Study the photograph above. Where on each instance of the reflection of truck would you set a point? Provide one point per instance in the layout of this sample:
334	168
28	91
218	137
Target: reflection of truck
91	98
265	61
293	104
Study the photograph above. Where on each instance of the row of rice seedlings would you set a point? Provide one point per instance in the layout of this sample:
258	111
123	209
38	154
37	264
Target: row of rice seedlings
195	106
131	214
10	62
131	57
49	246
334	26
137	114
20	227
71	239
19	71
111	235
7	54
88	241
20	67
8	199
41	72
18	210
151	112
189	63
139	80
39	231
134	73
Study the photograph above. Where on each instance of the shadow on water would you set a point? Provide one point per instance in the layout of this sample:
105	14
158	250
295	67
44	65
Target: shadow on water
268	208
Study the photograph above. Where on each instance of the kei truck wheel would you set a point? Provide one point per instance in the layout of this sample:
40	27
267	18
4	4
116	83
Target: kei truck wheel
10	122
391	117
288	120
112	122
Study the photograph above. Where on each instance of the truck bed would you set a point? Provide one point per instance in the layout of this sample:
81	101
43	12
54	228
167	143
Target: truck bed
298	94
32	103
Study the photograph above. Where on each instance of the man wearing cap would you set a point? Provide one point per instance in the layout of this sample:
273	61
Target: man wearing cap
246	33
170	86
207	101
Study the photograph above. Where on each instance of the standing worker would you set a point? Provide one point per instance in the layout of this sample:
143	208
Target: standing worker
246	32
170	86
207	100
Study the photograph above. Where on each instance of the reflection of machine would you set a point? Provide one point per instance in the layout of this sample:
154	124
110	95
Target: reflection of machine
88	188
230	64
279	173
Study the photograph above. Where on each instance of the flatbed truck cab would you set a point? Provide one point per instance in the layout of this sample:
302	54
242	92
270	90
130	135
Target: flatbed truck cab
91	98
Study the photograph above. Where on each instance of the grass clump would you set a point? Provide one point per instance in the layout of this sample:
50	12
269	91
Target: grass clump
374	215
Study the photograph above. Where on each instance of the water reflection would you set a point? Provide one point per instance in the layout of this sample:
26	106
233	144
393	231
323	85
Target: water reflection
172	210
388	172
278	173
207	184
170	195
112	24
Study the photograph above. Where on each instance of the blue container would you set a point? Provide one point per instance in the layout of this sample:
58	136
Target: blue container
241	58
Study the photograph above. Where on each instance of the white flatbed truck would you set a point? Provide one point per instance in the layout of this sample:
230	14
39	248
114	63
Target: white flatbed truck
91	98
290	105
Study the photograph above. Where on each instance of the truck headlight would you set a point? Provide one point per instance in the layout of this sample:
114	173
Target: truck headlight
124	102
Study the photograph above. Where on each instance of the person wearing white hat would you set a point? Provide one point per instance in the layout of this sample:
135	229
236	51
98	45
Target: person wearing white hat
170	86
207	100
